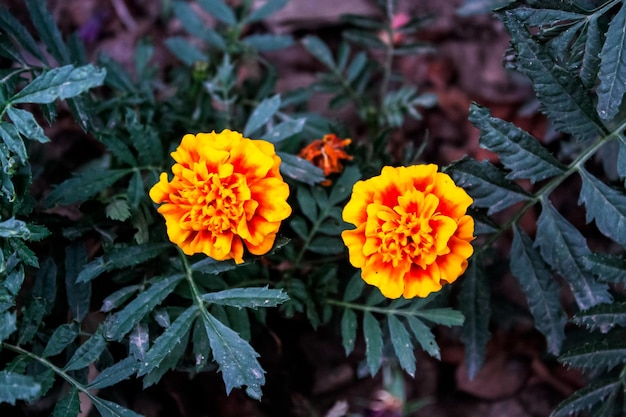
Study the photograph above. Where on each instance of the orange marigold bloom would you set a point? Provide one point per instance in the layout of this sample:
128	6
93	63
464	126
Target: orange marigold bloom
412	235
226	192
327	154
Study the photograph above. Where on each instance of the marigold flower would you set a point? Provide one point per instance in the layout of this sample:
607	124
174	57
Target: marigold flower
327	154
412	235
226	192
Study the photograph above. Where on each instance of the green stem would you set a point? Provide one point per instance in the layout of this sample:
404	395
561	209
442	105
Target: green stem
542	194
59	371
316	225
389	51
373	309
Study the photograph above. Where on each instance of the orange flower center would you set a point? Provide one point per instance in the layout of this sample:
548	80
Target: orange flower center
410	232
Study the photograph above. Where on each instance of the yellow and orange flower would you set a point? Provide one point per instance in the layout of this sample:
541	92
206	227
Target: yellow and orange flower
327	154
226	192
412	232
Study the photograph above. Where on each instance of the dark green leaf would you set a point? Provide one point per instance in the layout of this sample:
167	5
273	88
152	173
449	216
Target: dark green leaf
7	325
307	203
237	360
475	304
299	225
83	186
214	267
31	320
349	326
563	247
267	42
474	7
14	28
247	297
219	10
319	50
121	258
591	58
78	293
540	288
598	355
326	245
87	353
46	282
487	185
621	159
564	98
26	124
14	280
355	287
373	342
612	72
48	31
62	336
343	187
424	336
444	316
192	23
17	387
184	50
177	332
300	169
139	342
69	406
118	210
602	316
13	228
262	114
284	130
364	38
586	397
118	298
122	322
605	205
402	345
169	361
110	409
267	9
608	268
518	151
60	83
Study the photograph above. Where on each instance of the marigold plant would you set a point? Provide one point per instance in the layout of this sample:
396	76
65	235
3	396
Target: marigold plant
412	235
227	192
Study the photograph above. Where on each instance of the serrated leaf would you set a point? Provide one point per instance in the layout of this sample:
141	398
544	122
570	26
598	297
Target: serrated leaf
270	7
262	114
612	73
83	185
354	288
46	282
192	23
586	397
565	100
118	210
563	247
608	268
444	316
621	159
597	355
424	337
402	345
169	361
237	360
518	151
121	258
163	345
319	50
12	140
373	342
247	297
487	185
602	316
110	409
214	267
326	245
13	228
122	322
540	288
219	10
31	320
46	27
307	203
139	341
69	405
7	325
15	386
349	327
300	169
343	186
78	293
60	83
62	336
474	7
26	124
605	205
184	50
285	130
87	353
475	304
591	58
299	225
118	298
